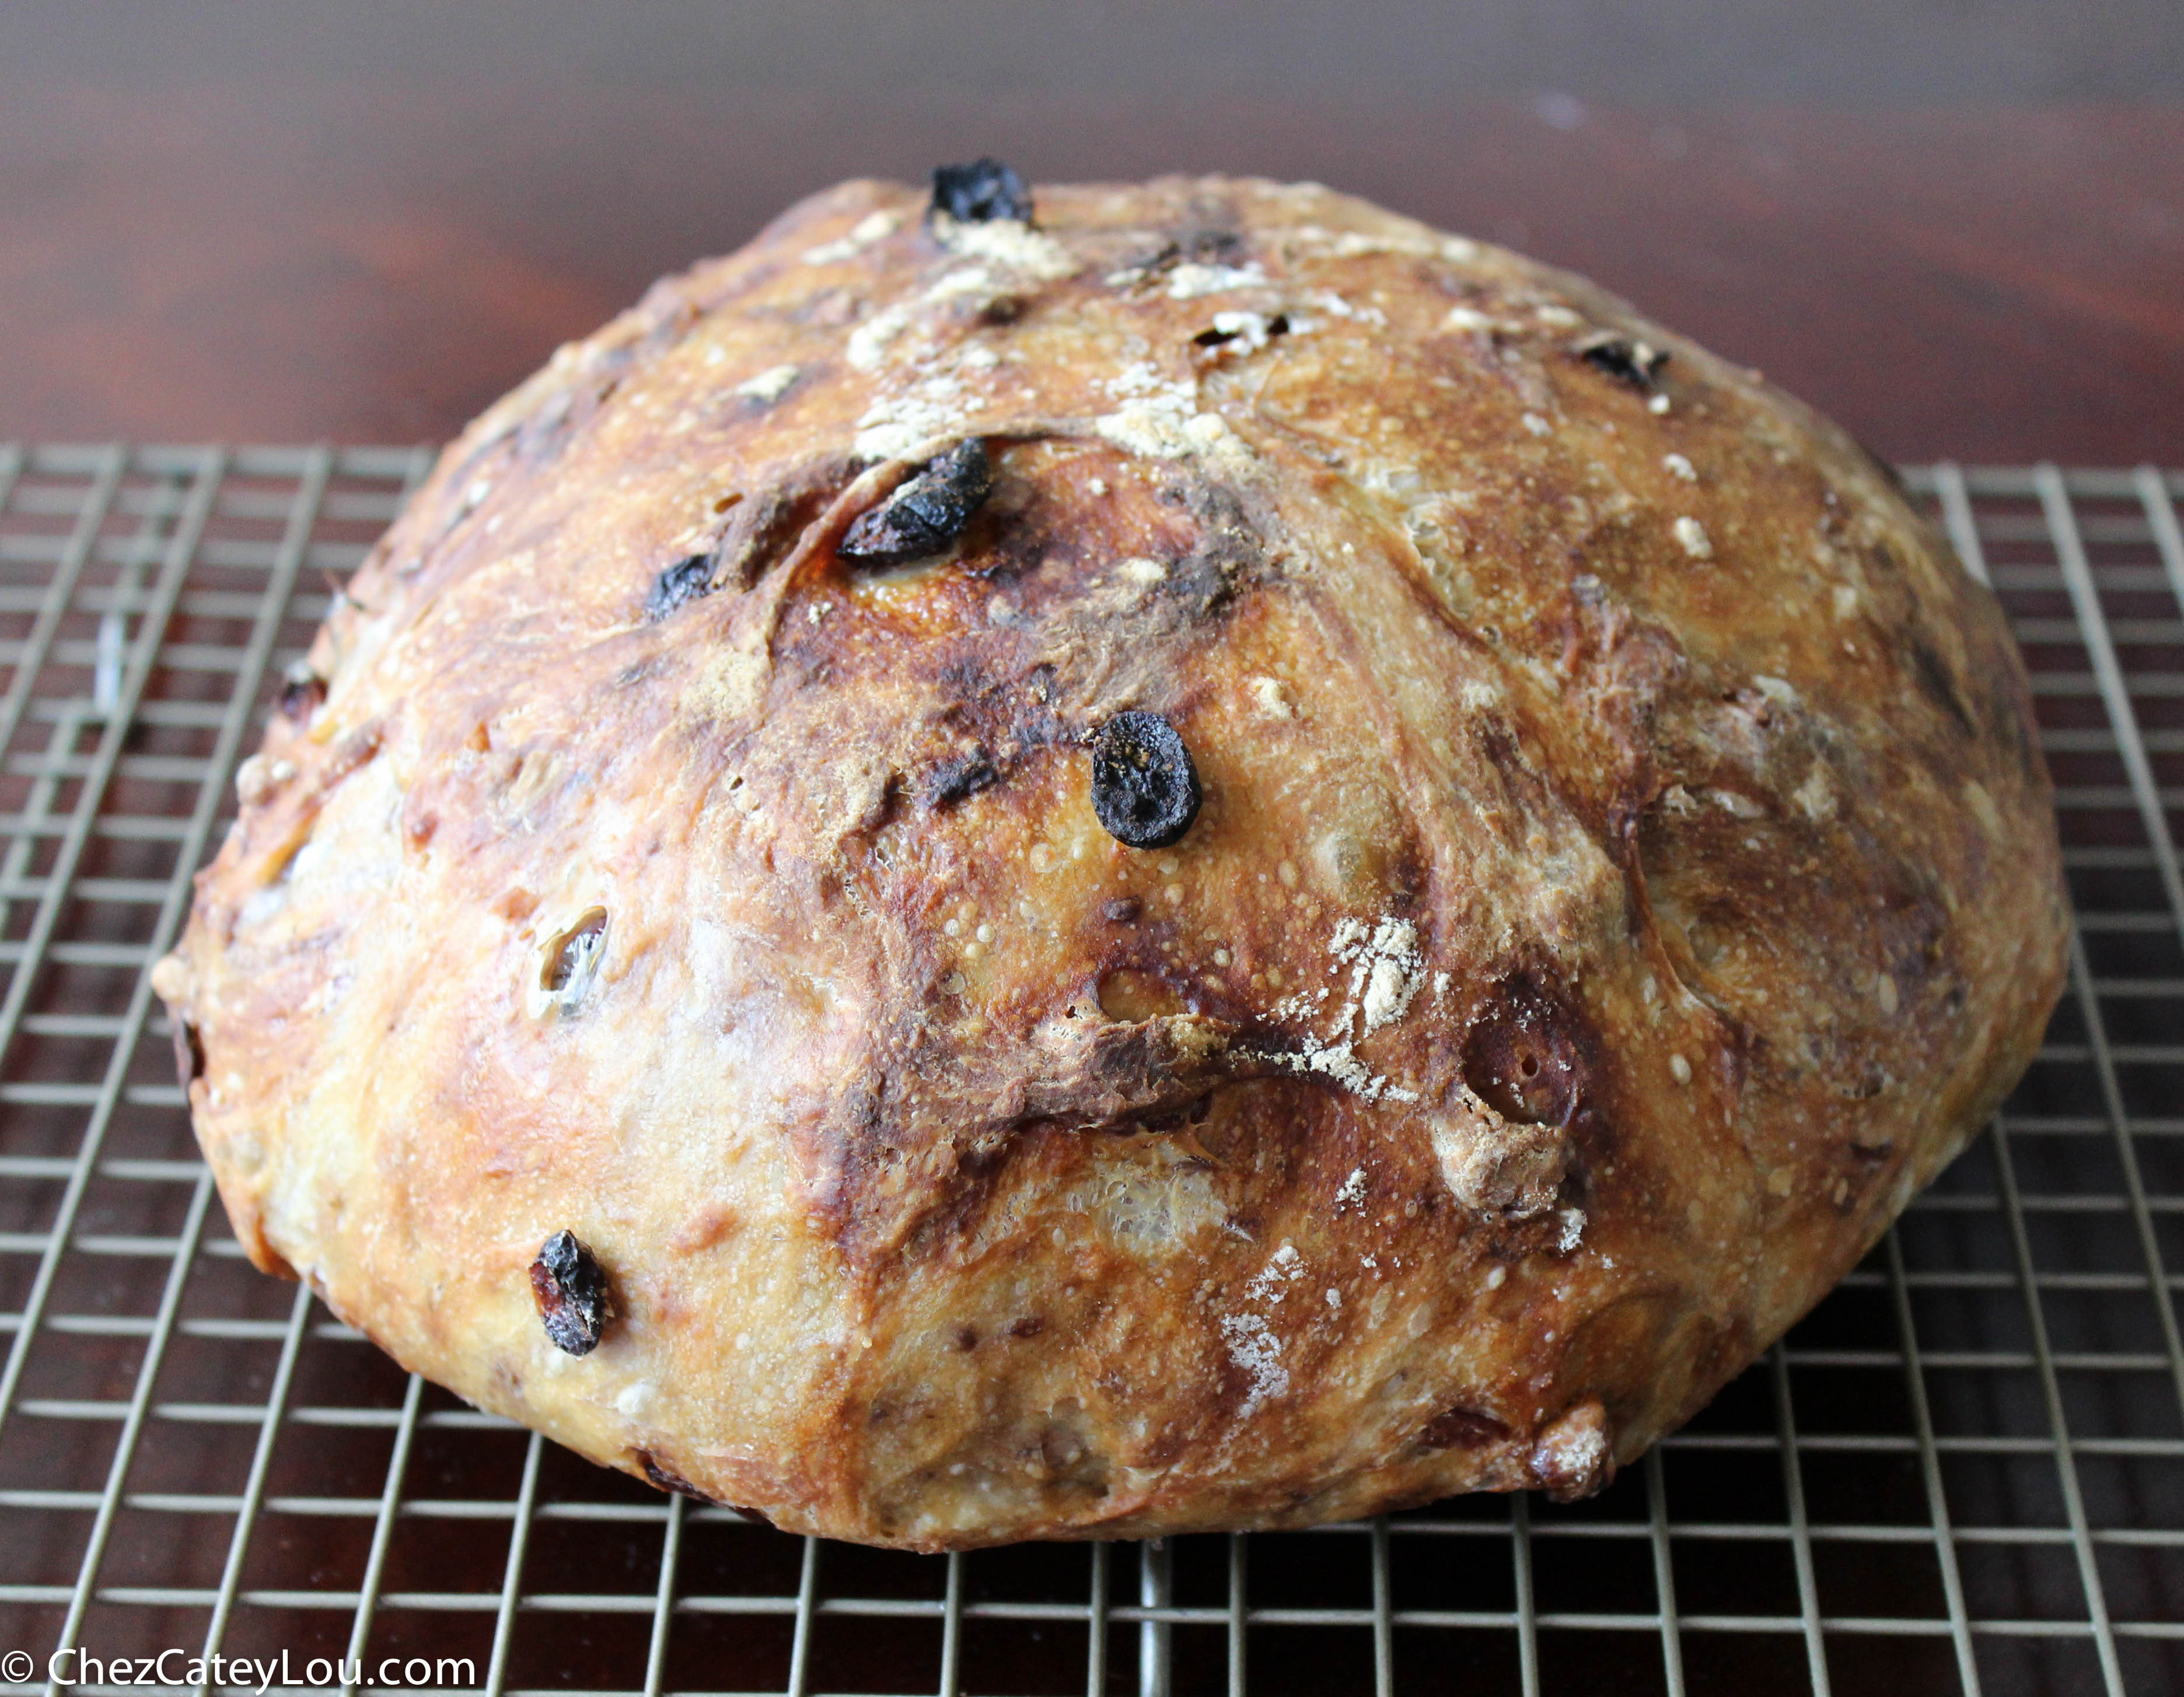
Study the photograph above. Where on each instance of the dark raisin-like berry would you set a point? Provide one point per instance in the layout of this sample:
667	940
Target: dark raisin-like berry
684	581
982	190
955	779
1622	359
570	1289
1144	786
301	690
666	1478
1215	337
925	514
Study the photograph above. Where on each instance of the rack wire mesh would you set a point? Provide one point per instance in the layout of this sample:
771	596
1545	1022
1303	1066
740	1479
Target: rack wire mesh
1964	1471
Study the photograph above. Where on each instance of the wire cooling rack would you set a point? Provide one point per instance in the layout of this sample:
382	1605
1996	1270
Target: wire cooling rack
1964	1471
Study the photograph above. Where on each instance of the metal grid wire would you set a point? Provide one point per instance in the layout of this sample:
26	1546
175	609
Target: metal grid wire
1964	1471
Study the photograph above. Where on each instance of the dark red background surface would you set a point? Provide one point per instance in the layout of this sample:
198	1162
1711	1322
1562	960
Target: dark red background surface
1959	227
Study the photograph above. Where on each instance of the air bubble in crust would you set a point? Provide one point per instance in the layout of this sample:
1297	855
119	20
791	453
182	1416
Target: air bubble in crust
1463	1428
189	1051
302	690
570	962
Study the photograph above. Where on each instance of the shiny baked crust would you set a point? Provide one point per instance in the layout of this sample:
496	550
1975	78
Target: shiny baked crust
1625	875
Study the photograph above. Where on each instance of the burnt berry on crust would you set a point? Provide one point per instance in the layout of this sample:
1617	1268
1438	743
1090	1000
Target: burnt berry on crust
926	513
571	1290
981	190
1627	359
1144	786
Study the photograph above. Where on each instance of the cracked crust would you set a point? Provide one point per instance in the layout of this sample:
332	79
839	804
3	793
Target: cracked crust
1625	876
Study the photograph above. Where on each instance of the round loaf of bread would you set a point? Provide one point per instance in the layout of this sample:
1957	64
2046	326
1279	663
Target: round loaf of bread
1192	857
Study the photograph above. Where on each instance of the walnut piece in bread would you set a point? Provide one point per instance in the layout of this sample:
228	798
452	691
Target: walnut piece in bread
1619	873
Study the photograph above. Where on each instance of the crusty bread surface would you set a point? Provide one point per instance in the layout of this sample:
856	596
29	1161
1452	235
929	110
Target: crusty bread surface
1622	875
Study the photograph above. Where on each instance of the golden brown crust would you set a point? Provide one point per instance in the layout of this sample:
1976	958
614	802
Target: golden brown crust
1625	876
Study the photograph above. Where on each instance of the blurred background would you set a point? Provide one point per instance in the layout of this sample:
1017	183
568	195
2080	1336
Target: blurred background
1956	226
